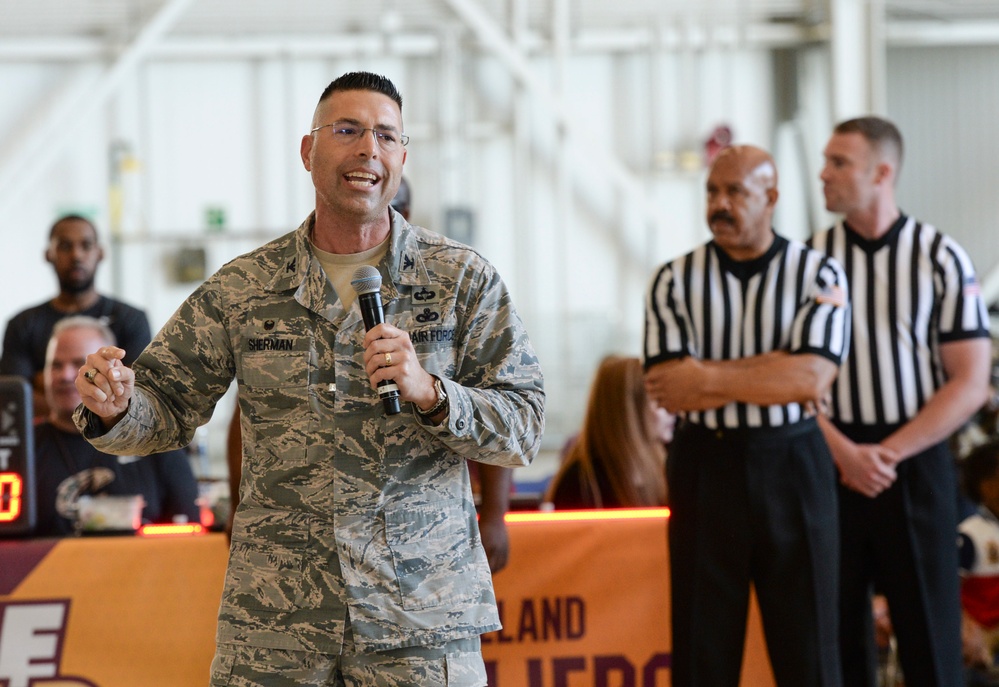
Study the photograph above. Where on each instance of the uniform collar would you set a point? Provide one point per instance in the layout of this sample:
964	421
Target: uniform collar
744	269
873	245
298	269
405	260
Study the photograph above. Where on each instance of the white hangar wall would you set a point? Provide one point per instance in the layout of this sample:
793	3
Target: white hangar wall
185	136
576	183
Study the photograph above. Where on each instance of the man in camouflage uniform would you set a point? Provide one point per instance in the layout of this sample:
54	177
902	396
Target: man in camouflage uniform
355	557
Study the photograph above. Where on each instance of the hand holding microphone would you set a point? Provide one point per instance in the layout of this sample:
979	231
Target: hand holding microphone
367	282
389	357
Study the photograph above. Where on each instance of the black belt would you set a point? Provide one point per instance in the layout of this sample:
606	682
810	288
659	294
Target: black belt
750	433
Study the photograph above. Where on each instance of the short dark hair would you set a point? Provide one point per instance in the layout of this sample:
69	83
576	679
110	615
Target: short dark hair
363	81
978	466
71	218
882	134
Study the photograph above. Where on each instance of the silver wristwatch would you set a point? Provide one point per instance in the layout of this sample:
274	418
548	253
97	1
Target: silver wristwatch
441	400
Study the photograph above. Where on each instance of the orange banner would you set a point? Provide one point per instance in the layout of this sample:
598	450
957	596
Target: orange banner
584	603
110	612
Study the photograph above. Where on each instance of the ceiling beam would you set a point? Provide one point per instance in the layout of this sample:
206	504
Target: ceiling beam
227	48
939	33
583	41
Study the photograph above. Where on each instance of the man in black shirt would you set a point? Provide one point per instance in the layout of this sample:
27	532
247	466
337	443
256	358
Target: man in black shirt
74	253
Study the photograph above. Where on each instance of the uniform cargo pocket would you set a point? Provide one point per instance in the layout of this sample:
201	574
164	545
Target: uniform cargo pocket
432	553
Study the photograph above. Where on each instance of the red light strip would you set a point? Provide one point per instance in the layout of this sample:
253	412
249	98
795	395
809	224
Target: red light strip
586	515
171	530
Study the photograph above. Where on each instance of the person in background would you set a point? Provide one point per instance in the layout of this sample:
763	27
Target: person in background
68	467
402	200
74	253
918	369
745	335
979	564
980	428
619	457
356	557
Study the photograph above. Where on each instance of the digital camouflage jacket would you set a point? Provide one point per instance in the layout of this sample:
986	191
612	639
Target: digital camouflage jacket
342	508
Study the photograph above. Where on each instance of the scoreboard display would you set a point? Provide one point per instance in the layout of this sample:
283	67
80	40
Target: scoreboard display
17	458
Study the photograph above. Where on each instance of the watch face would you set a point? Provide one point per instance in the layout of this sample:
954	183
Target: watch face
17	458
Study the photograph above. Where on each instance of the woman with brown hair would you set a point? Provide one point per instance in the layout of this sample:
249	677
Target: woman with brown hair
618	459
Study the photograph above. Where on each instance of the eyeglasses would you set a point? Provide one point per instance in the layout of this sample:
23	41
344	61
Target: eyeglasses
348	134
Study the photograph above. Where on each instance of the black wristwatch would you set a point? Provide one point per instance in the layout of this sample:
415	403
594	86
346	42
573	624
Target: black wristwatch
441	400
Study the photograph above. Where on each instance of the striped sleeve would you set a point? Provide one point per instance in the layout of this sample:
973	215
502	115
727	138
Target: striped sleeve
822	323
963	314
667	324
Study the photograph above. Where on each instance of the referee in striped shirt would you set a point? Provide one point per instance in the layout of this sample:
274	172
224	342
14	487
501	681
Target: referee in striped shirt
744	337
918	369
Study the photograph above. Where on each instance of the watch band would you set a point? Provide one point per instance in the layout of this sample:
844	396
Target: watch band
441	400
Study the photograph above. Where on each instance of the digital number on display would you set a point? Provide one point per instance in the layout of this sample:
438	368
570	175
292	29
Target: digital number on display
18	512
11	488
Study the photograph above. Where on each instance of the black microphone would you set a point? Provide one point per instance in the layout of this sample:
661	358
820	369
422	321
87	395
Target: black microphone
367	282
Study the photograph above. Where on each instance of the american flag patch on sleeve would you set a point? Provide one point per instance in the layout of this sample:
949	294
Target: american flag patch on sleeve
971	287
831	295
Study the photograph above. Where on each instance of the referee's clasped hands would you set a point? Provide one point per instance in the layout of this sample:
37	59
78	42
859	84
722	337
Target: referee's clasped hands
868	468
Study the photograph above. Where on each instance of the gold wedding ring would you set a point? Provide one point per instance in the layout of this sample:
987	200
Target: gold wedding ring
90	374
388	360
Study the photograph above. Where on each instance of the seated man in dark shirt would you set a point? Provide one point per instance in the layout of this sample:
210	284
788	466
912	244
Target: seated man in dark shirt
68	467
74	253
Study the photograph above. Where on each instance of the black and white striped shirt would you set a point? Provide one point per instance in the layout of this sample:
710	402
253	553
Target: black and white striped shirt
709	306
913	289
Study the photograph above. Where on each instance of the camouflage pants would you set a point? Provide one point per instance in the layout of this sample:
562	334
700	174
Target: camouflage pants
455	664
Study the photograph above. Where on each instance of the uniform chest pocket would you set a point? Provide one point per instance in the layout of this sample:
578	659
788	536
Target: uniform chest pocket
276	385
273	370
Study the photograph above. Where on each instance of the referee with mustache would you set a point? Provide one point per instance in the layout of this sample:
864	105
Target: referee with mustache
744	337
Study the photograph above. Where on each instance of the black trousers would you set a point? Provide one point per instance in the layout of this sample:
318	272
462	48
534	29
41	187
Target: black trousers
753	506
903	544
